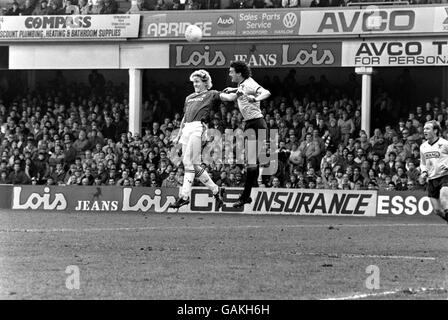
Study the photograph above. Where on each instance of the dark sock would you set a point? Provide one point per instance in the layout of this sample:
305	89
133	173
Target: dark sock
251	179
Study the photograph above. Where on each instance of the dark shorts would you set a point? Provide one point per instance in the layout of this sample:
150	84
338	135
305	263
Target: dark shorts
256	125
435	185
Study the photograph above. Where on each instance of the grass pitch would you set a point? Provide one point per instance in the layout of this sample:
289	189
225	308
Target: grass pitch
221	256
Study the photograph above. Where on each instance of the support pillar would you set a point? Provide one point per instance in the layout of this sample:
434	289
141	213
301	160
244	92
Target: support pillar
445	83
135	101
366	97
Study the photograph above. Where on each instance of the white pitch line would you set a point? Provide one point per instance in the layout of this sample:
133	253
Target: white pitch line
356	256
364	295
386	257
221	227
410	291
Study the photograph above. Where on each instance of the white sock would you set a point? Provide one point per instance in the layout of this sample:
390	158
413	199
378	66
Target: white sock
204	177
188	182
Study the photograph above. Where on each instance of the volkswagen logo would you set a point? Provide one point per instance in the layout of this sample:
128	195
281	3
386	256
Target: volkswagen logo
290	20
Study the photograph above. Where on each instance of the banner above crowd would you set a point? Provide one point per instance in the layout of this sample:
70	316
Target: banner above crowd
395	52
296	23
374	20
222	24
290	24
261	55
69	27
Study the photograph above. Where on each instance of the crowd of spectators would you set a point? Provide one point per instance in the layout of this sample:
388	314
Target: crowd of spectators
68	7
60	7
77	134
248	4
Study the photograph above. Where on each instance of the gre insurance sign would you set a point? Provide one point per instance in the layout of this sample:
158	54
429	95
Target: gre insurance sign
312	202
397	52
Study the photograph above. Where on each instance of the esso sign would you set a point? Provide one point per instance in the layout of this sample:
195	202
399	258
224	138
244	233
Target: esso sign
408	205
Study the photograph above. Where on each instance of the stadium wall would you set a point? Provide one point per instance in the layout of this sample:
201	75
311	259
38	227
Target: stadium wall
343	203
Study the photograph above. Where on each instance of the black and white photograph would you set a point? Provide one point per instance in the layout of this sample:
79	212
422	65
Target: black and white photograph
224	156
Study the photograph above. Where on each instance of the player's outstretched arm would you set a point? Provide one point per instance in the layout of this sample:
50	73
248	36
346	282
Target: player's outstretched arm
227	96
230	90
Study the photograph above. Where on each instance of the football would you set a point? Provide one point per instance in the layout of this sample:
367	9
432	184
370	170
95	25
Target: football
193	33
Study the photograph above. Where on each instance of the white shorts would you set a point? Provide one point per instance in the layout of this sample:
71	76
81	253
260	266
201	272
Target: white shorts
191	129
191	141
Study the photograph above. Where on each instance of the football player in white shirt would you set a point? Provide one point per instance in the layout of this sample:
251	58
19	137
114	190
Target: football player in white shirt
248	95
434	167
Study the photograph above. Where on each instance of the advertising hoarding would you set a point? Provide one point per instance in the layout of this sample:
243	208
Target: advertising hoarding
222	24
370	20
125	199
262	55
397	52
69	27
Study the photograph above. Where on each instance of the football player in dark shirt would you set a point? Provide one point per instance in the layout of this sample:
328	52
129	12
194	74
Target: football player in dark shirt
196	115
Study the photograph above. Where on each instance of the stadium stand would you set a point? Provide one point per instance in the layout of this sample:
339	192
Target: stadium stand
66	132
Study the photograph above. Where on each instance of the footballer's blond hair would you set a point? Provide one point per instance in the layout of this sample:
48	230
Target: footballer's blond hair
204	76
435	126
